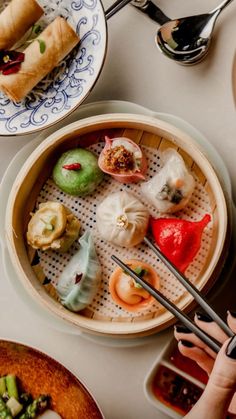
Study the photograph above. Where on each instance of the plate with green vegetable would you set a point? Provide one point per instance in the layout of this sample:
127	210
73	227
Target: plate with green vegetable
33	385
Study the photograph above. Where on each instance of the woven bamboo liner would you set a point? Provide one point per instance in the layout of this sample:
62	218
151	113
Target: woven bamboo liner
33	185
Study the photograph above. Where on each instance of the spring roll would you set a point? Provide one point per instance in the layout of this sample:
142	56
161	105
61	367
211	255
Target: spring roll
41	56
16	19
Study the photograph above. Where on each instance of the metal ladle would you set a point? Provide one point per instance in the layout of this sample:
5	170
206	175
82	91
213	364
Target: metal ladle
186	40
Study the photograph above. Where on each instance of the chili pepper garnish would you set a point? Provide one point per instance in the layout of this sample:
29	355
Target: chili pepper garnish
179	240
72	166
10	61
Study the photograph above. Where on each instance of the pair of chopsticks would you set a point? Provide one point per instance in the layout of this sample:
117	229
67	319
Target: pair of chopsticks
115	7
182	317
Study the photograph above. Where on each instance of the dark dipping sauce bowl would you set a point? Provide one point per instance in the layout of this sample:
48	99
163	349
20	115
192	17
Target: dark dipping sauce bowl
174	383
174	390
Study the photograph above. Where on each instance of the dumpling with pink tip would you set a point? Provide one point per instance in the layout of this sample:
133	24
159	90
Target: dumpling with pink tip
123	159
171	188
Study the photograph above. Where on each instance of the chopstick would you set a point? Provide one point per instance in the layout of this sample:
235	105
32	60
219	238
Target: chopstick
115	7
150	9
208	340
190	288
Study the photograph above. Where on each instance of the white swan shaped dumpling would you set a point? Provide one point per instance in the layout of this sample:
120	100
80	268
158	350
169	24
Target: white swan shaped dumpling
122	219
79	282
171	189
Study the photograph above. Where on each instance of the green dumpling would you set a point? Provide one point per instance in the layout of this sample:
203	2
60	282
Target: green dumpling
77	172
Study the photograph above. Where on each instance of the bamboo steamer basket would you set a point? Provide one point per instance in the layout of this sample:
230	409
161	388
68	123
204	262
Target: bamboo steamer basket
103	317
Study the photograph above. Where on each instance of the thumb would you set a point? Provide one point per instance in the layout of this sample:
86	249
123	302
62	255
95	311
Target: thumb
222	382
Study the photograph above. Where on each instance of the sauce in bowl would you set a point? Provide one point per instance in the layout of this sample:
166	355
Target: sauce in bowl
174	390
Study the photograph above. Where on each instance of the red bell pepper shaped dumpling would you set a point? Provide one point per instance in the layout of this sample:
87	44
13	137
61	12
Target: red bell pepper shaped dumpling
179	240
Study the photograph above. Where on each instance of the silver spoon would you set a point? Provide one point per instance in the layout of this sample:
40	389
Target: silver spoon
187	39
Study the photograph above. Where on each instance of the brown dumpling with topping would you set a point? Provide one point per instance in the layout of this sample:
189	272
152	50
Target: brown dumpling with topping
52	226
123	159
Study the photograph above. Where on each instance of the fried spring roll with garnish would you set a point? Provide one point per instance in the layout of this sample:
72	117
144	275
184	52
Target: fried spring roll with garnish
16	19
41	56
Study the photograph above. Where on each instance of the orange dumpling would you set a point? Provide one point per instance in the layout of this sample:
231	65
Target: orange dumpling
127	293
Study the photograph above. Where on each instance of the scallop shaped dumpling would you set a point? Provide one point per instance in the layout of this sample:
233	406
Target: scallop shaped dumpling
122	219
171	188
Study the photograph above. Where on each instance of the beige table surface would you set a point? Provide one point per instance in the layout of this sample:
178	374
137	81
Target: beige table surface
135	71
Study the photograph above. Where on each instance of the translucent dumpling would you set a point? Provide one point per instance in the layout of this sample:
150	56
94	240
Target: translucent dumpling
122	219
79	282
171	189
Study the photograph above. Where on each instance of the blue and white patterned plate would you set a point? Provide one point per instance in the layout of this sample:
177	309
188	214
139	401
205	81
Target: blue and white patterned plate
70	82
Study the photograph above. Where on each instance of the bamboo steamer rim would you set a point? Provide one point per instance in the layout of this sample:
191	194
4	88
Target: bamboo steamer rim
85	126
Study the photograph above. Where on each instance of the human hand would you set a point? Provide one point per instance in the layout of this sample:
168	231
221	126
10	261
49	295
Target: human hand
222	382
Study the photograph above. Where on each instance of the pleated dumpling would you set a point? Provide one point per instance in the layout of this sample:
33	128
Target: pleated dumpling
52	226
122	219
79	281
171	188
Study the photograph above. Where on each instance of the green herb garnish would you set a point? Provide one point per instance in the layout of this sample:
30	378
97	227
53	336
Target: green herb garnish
34	32
42	45
140	272
137	285
36	29
48	224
